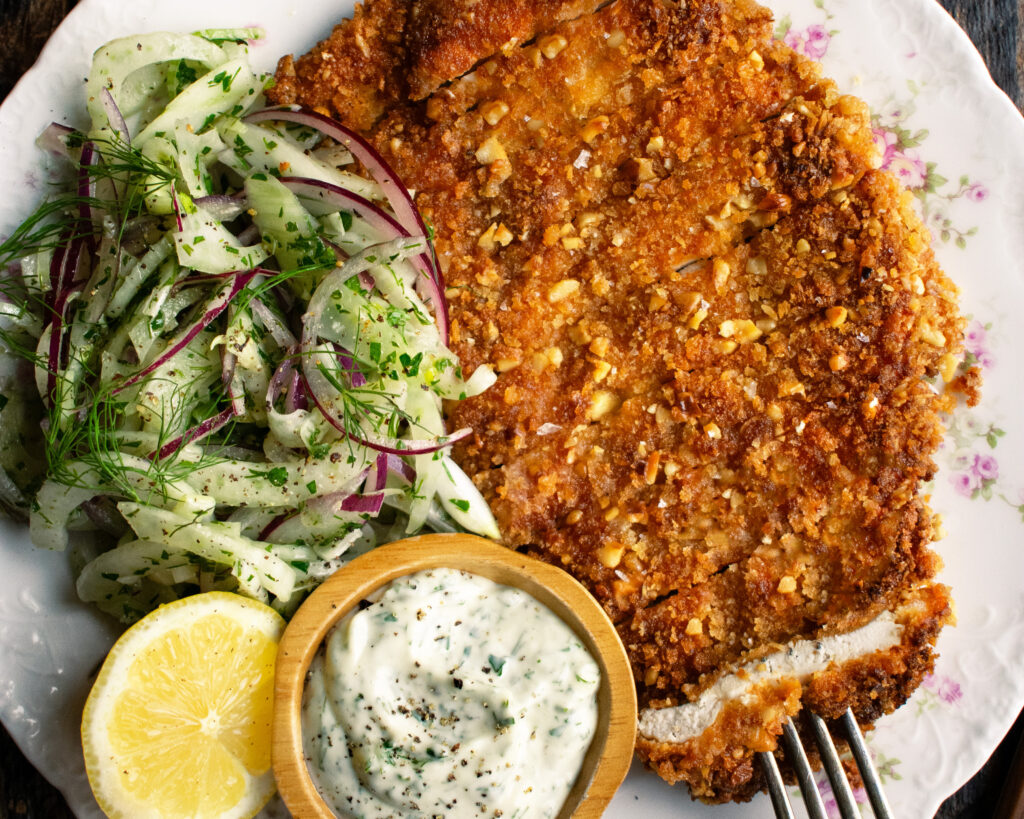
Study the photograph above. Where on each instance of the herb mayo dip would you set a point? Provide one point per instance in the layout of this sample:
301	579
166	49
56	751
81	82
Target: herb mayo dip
452	696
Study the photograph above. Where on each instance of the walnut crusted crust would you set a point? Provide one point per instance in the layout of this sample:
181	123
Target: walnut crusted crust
719	764
392	50
712	318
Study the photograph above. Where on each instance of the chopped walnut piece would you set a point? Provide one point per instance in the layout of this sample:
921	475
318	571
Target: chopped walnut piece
563	290
602	403
594	128
610	556
552	46
494	112
836	316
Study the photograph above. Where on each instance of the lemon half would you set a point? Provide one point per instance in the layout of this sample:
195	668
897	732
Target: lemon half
178	723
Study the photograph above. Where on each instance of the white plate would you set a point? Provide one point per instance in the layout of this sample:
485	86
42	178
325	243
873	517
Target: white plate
952	136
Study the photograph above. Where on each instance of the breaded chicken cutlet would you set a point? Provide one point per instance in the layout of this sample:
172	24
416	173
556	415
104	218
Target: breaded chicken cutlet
713	320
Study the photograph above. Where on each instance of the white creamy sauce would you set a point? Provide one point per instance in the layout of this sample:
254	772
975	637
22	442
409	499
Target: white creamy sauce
449	696
800	659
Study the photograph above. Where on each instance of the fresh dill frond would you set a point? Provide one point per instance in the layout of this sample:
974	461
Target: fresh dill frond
120	164
20	328
105	435
42	230
277	278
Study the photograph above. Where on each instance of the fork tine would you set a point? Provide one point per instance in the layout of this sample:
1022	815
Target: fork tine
804	775
834	768
872	784
776	787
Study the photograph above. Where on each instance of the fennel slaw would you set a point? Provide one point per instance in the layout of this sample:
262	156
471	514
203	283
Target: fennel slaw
240	343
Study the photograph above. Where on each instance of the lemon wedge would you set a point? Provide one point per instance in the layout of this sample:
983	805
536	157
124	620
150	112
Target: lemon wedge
178	722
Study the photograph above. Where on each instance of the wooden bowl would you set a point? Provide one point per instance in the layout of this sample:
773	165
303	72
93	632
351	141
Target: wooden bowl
611	751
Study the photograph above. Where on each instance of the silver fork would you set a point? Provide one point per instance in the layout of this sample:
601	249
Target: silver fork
833	767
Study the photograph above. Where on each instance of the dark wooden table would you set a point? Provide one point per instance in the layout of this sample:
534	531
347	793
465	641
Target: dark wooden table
997	28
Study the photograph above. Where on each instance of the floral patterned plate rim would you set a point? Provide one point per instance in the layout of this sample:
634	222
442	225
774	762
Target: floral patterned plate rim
943	127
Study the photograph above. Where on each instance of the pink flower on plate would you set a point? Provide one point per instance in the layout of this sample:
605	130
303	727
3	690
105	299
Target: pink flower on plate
985	360
986	467
828	797
964	483
946	689
976	343
910	168
977	192
812	41
975	336
905	163
887	143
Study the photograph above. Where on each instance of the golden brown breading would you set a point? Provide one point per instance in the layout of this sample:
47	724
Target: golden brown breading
719	765
712	318
447	37
357	72
396	49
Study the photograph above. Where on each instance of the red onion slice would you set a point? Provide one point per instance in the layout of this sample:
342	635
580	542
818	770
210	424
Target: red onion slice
272	322
337	198
400	467
114	115
53	139
60	255
296	397
383	222
223	208
213	310
228	361
378	477
387	464
397	194
394	191
280	381
273	526
363	504
351	369
227	375
177	208
315	379
64	267
326	505
287	381
87	190
207	427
